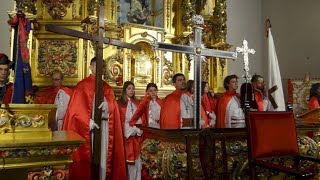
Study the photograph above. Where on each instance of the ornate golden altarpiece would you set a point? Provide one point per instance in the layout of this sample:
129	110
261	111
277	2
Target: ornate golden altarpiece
139	22
28	149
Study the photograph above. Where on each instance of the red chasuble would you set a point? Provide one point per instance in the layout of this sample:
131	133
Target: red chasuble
170	115
313	103
259	100
77	118
222	107
208	103
8	95
133	143
143	111
48	95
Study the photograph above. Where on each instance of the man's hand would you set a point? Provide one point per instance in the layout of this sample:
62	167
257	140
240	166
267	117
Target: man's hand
93	125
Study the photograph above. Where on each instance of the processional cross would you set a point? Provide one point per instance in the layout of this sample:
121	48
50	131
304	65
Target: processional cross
100	40
246	51
197	50
246	77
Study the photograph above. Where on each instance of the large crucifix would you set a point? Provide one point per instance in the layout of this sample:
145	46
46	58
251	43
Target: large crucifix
100	40
196	49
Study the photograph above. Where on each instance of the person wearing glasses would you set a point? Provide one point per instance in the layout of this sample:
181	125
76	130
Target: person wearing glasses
56	94
49	94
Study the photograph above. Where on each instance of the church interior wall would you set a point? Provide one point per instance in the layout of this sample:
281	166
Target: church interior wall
5	30
244	22
295	32
296	35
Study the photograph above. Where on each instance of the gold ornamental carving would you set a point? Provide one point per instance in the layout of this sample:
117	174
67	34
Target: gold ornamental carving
186	17
92	7
57	55
113	73
9	122
57	8
27	6
48	172
5	121
132	22
167	72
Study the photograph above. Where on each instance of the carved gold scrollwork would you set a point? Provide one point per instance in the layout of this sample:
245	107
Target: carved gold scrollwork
222	63
186	18
5	121
92	7
57	55
29	121
168	12
27	6
76	7
166	160
57	8
112	9
48	172
205	71
167	72
113	71
89	25
219	20
9	122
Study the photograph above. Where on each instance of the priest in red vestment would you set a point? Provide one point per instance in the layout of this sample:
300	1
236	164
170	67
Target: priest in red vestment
48	95
229	111
5	86
55	94
78	118
314	96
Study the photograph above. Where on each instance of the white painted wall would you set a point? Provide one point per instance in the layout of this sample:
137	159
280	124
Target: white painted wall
244	22
296	32
6	5
295	29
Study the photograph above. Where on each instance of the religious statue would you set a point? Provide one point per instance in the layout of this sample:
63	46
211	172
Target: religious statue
139	12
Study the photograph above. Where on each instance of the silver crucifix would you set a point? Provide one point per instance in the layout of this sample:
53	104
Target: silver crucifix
196	49
245	51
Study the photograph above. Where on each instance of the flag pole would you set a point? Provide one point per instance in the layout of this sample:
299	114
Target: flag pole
268	25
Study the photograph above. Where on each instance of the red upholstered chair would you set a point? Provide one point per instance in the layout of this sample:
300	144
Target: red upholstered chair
273	135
